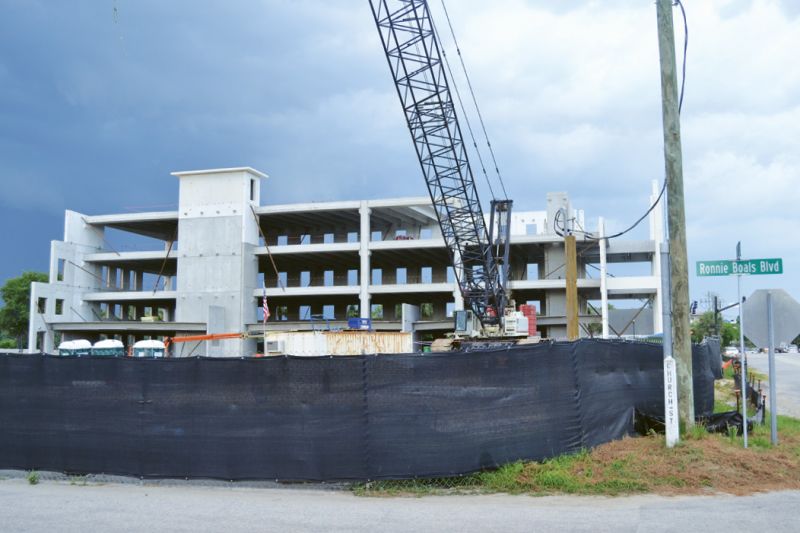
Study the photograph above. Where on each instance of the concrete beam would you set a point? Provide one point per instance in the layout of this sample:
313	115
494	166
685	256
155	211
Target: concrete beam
128	326
333	290
130	296
132	218
309	248
412	288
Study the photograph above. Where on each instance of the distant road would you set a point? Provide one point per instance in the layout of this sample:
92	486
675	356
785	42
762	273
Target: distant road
59	506
787	370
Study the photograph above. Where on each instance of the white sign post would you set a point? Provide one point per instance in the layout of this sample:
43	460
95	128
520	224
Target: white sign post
670	401
742	348
671	427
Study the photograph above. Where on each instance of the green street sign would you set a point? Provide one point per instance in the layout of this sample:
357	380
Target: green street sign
715	268
745	266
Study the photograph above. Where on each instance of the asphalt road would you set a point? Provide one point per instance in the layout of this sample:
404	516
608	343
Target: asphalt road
59	506
787	375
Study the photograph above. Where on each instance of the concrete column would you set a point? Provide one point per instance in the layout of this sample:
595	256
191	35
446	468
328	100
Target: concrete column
603	277
217	270
554	262
111	278
657	235
33	320
138	281
410	315
49	341
518	269
458	298
364	253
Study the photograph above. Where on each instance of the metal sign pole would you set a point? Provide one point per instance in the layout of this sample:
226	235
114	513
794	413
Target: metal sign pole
743	360
672	428
773	408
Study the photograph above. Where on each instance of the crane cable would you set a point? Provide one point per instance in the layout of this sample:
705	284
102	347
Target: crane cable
463	108
474	100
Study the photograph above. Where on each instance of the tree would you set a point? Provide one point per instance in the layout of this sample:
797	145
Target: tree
595	328
704	327
16	295
8	344
729	334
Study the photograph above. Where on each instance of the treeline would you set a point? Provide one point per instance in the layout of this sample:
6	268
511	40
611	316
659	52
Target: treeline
14	315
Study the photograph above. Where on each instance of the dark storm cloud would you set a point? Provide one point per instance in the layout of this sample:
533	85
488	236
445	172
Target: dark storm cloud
101	99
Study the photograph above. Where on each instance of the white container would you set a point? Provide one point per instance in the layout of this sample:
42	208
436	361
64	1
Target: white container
109	348
149	348
77	348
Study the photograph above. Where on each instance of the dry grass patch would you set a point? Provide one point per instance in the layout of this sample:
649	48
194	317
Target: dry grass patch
701	463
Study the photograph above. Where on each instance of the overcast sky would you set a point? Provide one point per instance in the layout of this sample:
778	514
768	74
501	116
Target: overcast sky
100	100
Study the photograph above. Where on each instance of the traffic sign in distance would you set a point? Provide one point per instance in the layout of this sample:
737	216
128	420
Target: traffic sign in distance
727	267
785	317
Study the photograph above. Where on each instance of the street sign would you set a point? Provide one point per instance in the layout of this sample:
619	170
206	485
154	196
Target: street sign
786	317
715	268
671	401
727	267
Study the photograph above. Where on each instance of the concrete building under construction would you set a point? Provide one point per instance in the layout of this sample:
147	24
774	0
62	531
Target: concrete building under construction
318	264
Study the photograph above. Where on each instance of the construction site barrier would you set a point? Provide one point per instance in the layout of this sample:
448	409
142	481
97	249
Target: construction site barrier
329	418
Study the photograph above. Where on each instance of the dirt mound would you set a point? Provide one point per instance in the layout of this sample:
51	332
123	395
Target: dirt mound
700	464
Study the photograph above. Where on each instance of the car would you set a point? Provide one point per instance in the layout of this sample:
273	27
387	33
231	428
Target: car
731	351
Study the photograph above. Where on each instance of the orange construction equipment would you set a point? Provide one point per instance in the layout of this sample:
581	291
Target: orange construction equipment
197	338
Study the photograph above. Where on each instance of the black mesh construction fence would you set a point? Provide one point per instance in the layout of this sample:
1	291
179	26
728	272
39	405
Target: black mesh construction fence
329	418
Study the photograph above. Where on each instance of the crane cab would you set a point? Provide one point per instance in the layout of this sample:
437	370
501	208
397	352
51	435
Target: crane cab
467	324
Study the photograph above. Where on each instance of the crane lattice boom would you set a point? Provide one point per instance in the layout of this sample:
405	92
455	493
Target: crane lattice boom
413	52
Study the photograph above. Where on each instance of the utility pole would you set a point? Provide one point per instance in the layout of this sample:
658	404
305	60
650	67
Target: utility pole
571	263
679	270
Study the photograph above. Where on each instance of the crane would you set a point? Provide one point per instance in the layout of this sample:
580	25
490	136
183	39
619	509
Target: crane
479	254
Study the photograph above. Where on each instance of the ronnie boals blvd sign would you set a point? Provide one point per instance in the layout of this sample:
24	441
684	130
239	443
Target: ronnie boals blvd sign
745	266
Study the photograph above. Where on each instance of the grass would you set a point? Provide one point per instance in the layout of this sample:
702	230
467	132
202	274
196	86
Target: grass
700	463
33	477
78	480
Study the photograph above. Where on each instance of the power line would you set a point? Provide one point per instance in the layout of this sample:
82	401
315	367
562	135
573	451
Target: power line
685	46
680	108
